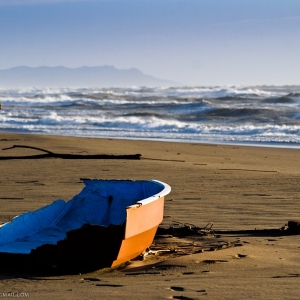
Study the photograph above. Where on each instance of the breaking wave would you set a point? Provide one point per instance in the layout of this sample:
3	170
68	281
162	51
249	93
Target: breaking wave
200	114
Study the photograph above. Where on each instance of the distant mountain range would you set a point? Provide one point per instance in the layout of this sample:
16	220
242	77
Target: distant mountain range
103	76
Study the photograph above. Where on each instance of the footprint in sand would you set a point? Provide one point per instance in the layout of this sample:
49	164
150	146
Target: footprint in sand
177	288
211	261
91	279
181	289
240	256
287	276
182	297
109	285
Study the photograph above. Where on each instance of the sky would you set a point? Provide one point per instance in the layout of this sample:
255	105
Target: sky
192	42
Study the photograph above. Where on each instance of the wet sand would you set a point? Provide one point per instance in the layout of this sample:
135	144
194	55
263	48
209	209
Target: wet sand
235	187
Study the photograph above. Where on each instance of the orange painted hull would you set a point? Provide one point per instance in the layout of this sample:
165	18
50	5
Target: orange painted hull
141	225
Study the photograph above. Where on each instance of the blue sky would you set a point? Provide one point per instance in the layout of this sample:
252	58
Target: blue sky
194	42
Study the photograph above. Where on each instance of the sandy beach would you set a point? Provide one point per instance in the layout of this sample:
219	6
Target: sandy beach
235	187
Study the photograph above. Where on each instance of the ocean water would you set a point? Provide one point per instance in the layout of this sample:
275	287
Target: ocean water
264	115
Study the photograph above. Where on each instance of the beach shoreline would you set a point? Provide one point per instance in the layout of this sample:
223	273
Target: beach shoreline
235	187
280	145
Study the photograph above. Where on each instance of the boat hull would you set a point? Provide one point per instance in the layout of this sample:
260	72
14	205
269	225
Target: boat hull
90	246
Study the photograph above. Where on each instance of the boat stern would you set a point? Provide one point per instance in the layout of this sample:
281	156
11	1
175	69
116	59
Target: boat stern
142	222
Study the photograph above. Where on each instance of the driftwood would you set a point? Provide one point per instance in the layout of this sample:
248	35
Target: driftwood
50	154
179	229
184	239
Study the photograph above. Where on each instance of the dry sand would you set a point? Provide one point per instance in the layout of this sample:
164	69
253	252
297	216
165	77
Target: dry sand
236	187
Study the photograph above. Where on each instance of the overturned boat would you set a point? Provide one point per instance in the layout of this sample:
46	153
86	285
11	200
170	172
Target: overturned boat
108	223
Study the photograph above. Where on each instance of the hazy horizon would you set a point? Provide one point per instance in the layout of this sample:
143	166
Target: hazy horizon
60	76
193	42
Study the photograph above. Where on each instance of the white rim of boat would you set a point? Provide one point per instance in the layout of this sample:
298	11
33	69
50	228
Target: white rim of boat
164	192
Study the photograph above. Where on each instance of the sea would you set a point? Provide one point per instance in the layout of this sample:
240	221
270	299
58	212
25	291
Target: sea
251	115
